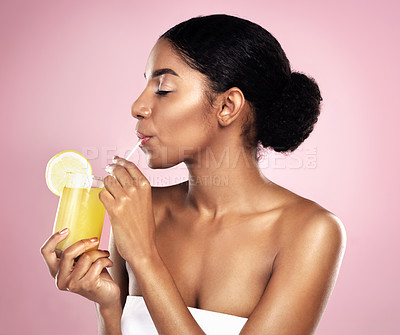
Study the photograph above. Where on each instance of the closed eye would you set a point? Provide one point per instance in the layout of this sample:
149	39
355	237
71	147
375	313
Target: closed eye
163	92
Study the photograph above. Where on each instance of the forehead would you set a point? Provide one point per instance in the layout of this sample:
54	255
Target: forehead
163	56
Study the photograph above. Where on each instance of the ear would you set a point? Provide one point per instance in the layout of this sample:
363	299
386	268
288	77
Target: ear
231	105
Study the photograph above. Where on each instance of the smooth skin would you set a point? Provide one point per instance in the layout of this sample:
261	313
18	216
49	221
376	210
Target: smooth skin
228	240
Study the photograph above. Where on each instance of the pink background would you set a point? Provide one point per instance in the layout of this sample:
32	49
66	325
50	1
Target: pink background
69	71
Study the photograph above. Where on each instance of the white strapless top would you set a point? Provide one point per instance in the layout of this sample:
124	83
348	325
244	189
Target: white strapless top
136	320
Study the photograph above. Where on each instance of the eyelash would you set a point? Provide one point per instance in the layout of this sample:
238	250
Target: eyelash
162	92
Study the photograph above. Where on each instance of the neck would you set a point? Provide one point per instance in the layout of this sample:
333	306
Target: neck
224	179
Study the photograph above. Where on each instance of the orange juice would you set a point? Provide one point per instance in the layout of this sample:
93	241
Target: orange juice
80	210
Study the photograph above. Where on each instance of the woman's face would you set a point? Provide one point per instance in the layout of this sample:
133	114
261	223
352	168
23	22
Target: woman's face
173	110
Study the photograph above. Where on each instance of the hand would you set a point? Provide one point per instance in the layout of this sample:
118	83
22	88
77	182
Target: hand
127	199
88	276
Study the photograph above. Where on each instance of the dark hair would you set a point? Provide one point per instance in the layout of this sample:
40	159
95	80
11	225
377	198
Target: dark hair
234	52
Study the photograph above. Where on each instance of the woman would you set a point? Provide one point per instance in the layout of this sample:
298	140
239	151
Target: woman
237	249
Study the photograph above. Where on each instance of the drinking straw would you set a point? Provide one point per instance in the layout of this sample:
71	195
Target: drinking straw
134	149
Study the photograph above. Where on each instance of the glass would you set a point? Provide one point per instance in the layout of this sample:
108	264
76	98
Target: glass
80	210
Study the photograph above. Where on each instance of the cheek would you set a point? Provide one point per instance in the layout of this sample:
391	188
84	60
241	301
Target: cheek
184	119
183	127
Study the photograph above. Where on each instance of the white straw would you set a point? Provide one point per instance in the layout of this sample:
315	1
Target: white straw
134	149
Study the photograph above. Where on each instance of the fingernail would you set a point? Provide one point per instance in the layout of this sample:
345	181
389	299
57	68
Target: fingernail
114	159
63	231
109	169
94	239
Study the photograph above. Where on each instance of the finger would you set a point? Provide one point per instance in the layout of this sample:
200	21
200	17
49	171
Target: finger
48	250
91	280
85	262
123	176
97	268
113	186
133	170
68	258
125	163
106	198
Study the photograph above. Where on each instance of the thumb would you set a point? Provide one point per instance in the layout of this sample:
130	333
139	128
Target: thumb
48	250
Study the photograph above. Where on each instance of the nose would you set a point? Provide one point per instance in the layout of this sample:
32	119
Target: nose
140	111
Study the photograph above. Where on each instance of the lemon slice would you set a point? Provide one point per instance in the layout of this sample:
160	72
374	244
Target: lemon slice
62	163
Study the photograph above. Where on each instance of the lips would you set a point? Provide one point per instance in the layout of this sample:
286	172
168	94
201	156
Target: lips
143	137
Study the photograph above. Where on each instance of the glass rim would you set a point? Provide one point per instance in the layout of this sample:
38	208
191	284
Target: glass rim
68	173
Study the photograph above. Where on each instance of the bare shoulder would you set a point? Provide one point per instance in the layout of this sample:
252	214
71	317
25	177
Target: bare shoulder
310	247
307	226
302	220
319	223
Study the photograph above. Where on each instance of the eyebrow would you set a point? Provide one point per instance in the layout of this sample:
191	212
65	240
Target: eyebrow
160	72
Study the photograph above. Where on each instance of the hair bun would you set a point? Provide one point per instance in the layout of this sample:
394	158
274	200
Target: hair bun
292	116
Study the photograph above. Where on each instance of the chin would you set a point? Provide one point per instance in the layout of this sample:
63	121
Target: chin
159	163
163	157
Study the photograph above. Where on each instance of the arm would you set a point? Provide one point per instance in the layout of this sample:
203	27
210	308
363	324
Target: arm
164	302
128	201
109	319
87	277
303	278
